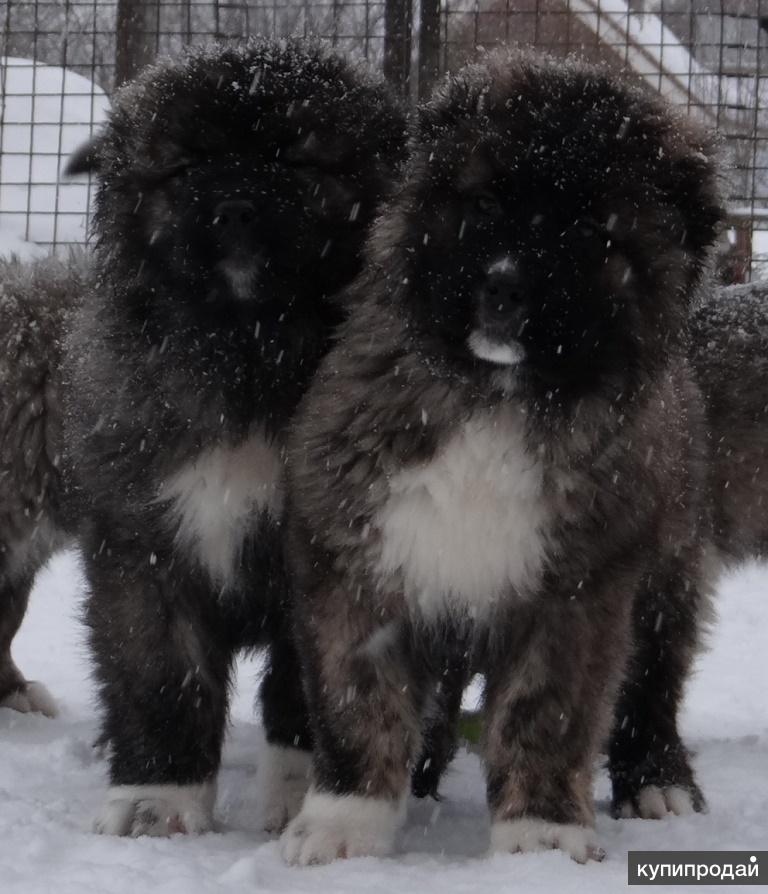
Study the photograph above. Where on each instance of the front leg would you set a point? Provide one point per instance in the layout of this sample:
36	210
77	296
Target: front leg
364	700
163	668
551	678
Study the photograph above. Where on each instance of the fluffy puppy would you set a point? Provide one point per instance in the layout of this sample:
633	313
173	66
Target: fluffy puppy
234	192
36	300
504	445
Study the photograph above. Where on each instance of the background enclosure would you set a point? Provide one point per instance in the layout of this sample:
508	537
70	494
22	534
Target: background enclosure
60	61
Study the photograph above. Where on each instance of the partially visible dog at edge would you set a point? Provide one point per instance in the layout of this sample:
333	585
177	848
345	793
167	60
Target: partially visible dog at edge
37	299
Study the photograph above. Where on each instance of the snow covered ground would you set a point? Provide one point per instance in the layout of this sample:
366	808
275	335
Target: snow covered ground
12	244
51	782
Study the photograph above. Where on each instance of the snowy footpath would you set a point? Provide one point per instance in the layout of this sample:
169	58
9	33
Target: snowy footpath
52	781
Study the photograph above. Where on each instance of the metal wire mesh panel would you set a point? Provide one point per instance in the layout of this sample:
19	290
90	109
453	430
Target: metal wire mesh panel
707	56
47	112
60	61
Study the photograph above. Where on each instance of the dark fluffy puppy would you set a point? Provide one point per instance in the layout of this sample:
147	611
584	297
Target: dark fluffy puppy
36	300
504	445
235	189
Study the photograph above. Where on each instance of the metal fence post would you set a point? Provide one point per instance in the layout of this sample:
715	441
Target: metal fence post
398	20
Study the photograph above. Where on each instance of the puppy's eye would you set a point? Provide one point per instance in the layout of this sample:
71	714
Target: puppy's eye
487	205
589	228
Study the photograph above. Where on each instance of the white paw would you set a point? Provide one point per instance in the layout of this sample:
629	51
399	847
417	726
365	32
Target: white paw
656	802
331	827
526	834
158	810
282	778
32	698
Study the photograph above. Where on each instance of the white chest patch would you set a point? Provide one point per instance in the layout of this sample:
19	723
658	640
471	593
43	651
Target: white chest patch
470	525
215	499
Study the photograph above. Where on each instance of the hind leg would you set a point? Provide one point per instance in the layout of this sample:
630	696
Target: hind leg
441	725
163	670
285	759
649	765
16	692
284	772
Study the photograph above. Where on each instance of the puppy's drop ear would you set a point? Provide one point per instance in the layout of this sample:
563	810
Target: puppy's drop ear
696	190
86	159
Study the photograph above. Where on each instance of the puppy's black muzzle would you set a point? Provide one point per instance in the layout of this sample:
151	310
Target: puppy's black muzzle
503	305
234	219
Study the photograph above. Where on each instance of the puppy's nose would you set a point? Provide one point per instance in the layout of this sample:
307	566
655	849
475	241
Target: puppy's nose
502	292
234	216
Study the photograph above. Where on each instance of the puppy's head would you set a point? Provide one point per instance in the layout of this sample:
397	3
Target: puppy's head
555	222
242	173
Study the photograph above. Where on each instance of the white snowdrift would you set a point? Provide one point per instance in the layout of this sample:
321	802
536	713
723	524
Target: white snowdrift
12	244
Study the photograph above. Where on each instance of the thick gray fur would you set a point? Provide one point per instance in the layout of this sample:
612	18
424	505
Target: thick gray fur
235	189
36	300
511	170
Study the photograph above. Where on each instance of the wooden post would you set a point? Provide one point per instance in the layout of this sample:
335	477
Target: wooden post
429	46
398	19
137	25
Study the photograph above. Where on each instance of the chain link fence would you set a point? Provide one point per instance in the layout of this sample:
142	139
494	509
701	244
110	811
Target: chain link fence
60	62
